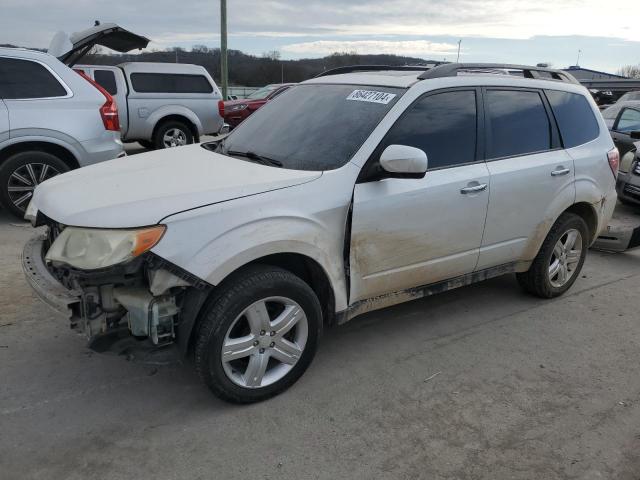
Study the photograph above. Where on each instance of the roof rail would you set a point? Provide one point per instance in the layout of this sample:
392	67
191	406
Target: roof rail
452	69
373	68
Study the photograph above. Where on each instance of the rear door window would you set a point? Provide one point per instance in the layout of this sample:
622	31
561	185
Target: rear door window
443	125
25	79
575	118
517	123
629	120
170	83
107	80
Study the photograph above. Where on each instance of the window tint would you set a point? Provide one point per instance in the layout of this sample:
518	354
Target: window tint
170	83
575	117
107	80
443	125
629	120
517	123
27	79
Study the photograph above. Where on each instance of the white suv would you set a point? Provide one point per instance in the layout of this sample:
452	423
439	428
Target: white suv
350	192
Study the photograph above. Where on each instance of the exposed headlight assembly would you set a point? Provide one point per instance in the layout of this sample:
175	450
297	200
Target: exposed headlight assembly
94	248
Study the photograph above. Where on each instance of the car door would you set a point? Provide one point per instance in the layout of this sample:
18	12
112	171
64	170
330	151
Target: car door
627	121
530	173
4	121
408	232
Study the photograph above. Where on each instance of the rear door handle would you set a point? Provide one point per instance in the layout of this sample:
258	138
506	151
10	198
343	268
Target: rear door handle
473	189
560	171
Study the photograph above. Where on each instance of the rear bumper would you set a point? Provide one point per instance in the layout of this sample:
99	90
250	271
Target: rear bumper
50	291
628	187
106	147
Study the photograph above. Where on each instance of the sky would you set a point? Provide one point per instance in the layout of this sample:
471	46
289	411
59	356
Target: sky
607	34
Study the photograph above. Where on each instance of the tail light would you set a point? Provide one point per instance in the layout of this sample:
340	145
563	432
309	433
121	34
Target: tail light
614	161
221	108
108	111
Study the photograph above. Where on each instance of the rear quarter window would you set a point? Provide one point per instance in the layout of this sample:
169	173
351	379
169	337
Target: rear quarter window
170	83
25	79
575	117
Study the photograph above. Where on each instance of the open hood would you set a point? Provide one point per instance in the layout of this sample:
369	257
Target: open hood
71	48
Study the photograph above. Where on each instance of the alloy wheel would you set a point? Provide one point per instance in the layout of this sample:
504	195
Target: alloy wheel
565	258
24	180
174	137
264	342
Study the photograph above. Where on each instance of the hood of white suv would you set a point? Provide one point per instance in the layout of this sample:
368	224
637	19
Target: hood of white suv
143	189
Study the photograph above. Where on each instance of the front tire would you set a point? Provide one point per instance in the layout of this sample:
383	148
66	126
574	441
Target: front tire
21	173
258	335
560	259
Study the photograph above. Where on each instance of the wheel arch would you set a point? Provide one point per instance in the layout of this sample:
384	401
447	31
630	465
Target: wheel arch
588	213
303	266
58	150
179	117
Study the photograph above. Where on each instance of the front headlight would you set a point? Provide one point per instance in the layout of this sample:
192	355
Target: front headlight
93	248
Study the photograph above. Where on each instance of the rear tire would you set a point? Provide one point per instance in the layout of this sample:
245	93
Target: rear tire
21	173
172	134
258	334
560	259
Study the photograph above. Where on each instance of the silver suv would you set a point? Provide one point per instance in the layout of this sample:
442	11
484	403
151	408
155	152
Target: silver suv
51	120
347	193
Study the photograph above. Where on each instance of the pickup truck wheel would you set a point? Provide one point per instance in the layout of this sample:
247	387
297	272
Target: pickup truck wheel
258	335
172	134
560	259
21	173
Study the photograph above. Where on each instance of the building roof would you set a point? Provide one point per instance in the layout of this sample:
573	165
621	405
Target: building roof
588	74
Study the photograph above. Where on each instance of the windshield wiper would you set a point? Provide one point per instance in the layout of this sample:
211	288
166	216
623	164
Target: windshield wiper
256	158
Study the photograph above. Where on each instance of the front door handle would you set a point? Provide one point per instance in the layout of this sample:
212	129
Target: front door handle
473	189
560	171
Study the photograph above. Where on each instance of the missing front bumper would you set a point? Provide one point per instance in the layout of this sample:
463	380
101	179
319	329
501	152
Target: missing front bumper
45	285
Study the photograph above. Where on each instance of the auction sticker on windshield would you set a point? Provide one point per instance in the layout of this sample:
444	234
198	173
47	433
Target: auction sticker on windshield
371	96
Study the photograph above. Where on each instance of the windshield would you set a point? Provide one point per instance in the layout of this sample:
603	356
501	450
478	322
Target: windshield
311	127
262	93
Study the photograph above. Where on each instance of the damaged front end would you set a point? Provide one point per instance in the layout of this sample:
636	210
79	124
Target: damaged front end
136	303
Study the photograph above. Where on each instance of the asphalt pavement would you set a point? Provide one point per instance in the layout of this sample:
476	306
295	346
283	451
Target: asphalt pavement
480	382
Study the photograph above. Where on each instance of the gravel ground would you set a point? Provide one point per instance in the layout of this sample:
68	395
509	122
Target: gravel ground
481	382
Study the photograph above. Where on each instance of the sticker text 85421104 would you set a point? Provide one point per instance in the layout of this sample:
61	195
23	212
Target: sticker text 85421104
371	96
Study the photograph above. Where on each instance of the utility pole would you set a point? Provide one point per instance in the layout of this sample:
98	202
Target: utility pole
458	59
578	60
224	73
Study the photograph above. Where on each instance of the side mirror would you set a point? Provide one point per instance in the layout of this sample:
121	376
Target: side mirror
635	134
402	161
